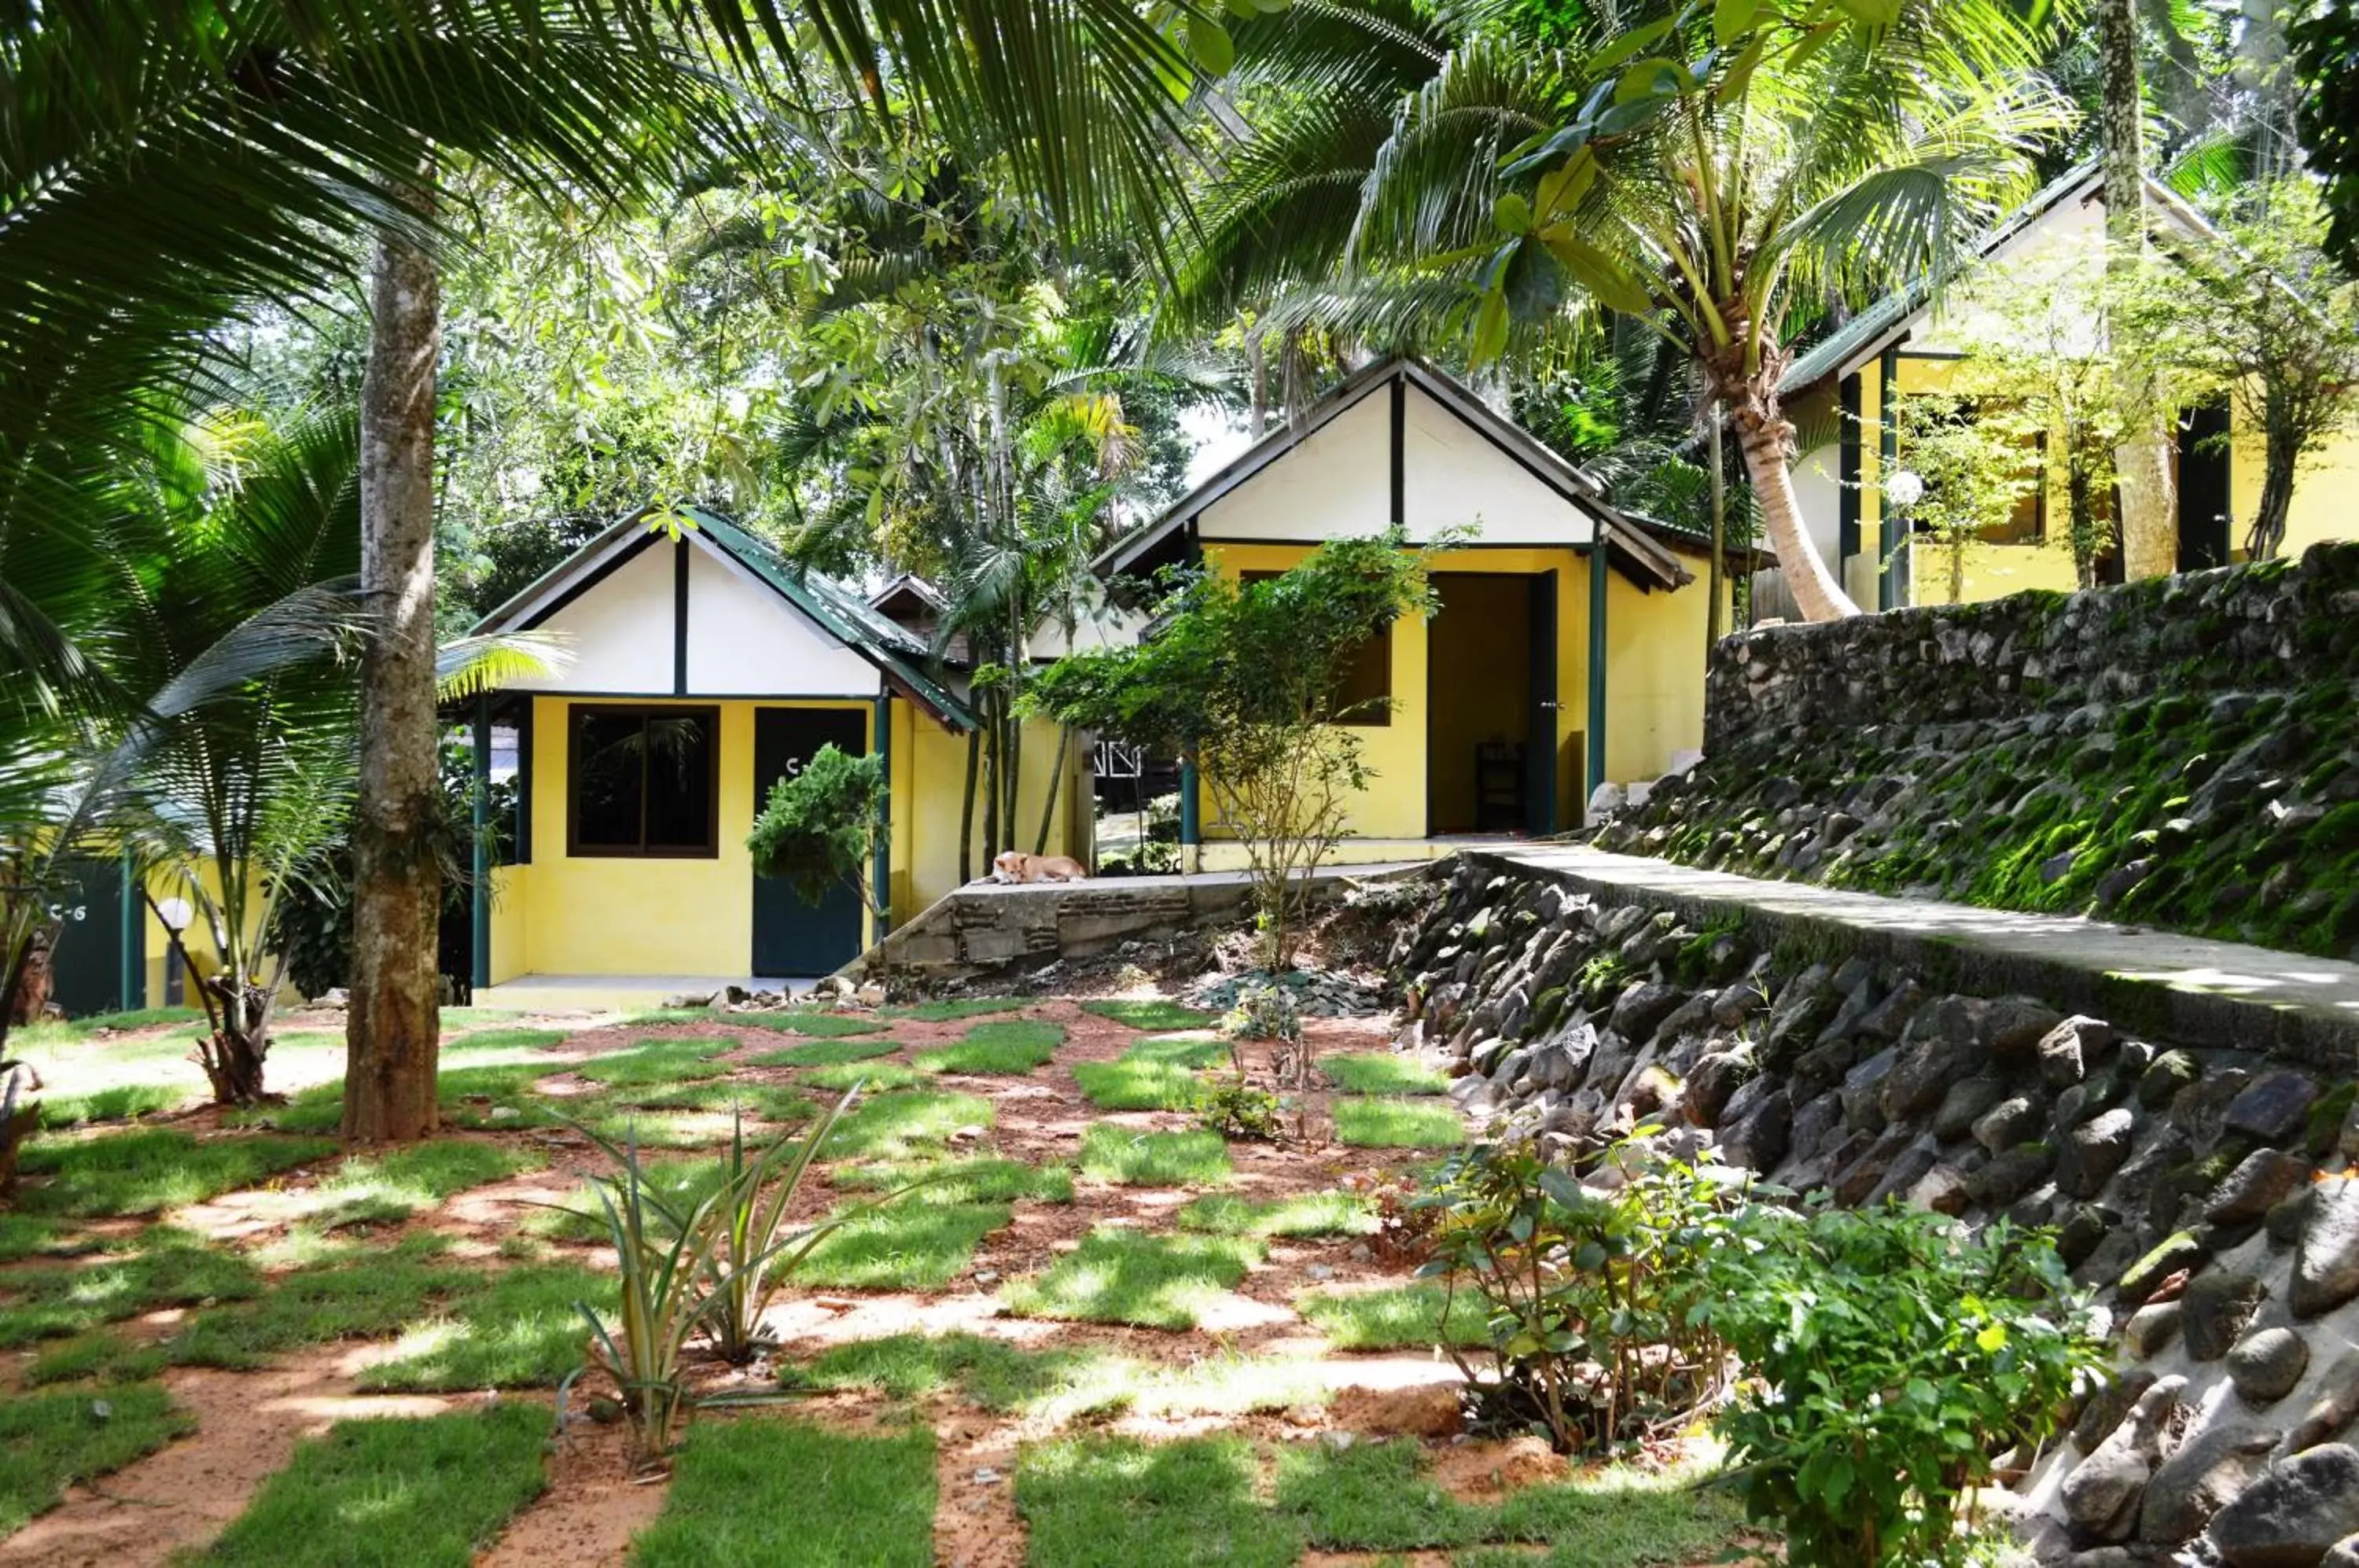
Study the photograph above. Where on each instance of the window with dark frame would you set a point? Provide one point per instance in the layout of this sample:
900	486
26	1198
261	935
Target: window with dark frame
643	782
1364	688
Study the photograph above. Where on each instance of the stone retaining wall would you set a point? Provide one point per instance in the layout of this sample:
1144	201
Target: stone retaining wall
2183	751
2202	1189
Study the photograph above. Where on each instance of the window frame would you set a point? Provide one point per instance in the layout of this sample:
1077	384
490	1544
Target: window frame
575	715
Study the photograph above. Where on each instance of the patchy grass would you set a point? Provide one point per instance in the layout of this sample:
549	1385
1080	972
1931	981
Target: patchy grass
1133	1158
1396	1317
657	1063
992	1373
760	1102
1156	1073
1371	1496
97	1358
1381	1072
354	1293
919	1243
504	1040
171	1269
751	1490
475	1017
134	1019
875	1077
824	1053
50	1442
1397	1124
1305	1214
954	1009
123	1103
818	1025
1007	1047
391	1187
149	1170
29	1235
467	1097
1115	1502
1151	1015
393	1494
680	1183
512	1328
983	1181
1122	1276
897	1126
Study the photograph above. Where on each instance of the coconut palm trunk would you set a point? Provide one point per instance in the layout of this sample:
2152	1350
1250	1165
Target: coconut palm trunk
392	1027
1762	435
2142	461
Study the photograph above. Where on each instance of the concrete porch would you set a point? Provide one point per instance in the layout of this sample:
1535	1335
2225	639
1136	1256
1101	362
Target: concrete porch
615	992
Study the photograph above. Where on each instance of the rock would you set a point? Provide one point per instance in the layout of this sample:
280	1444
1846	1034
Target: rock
2103	1494
1862	1089
1889	1020
2295	1512
2255	1187
1925	1072
2010	1175
2344	1553
2066	1052
2108	1406
2288	1215
2093	1153
1714	1080
2273	1108
687	1001
2266	1366
1804	1008
2326	1258
1943	1190
2220	1306
1758	1141
2080	1232
2150	1328
2195	1483
1738	1001
1968	1101
1641	1008
2171	1072
2174	1252
2010	1123
2332	1409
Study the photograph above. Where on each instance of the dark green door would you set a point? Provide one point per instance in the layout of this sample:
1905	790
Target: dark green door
1539	748
792	938
86	966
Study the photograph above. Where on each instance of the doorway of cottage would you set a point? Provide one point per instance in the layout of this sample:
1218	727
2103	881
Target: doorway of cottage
792	937
1491	740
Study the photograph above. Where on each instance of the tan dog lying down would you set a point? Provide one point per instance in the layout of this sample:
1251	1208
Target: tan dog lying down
1017	866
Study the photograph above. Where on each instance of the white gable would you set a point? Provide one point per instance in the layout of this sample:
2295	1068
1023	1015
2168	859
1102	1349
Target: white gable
619	631
1336	483
744	640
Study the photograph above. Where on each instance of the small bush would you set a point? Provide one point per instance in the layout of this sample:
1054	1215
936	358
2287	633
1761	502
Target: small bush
1233	1107
1264	1012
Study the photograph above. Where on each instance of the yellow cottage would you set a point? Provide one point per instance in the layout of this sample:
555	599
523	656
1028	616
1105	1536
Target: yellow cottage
1542	676
701	669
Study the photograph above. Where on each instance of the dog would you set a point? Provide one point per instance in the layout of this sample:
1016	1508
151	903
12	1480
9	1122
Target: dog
1015	866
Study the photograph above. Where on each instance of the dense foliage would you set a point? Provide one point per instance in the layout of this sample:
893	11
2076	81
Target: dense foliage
818	829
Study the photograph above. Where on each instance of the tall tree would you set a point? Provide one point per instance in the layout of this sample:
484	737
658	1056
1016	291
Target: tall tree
2149	524
2325	60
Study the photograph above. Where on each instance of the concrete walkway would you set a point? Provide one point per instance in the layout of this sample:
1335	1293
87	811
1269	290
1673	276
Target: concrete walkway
2186	988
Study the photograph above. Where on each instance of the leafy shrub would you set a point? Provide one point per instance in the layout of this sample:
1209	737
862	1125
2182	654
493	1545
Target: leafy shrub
1597	1302
1231	1106
1264	1012
1900	1354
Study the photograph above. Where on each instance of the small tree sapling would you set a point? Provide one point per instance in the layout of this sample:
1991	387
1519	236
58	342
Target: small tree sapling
818	830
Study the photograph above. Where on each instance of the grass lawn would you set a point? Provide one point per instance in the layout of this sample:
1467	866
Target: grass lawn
29	1235
1117	1502
501	1039
151	1169
760	1102
1381	1072
993	1374
1133	1158
121	1103
469	1098
510	1328
875	1077
896	1127
1397	1123
1371	1496
1122	1276
1156	1073
49	1441
1152	1015
757	1491
393	1492
1394	1317
983	1181
100	1356
657	1063
953	1010
386	1188
1306	1213
818	1025
823	1053
917	1243
1007	1047
680	1183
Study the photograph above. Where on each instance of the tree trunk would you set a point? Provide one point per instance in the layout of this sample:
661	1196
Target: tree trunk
966	810
2149	526
1761	436
1055	782
392	1025
2283	457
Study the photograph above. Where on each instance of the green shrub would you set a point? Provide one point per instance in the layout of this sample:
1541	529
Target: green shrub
1925	1352
1233	1107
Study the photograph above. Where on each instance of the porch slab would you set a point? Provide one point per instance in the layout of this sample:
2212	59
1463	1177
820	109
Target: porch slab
616	992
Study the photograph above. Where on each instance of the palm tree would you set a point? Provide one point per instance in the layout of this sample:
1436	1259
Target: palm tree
1712	174
163	166
2149	535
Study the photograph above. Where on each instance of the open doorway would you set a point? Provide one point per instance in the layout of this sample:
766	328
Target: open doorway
1490	756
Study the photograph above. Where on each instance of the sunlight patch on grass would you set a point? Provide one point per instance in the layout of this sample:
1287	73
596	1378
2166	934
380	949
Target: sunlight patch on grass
422	1493
50	1442
897	1126
1156	1073
818	1025
1381	1072
681	1185
1305	1214
992	1373
1397	1124
511	1328
954	1009
824	1053
1007	1047
1123	1276
763	1491
875	1077
121	1103
1134	1159
917	1243
760	1102
504	1040
171	1268
982	1181
386	1188
96	1357
655	1063
149	1170
1394	1317
1112	1502
1151	1015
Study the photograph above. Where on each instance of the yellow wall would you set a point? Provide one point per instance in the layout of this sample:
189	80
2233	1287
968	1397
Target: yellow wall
2325	492
1654	675
611	915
